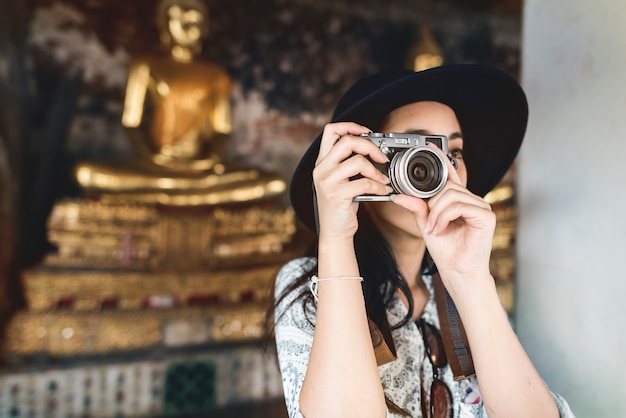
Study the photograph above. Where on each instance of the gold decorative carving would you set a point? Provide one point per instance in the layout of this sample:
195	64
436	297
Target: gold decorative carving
88	289
133	276
119	236
80	333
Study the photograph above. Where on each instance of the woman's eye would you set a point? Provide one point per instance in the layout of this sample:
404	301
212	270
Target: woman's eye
457	153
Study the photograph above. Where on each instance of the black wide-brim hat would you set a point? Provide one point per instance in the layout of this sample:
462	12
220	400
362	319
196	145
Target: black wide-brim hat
489	104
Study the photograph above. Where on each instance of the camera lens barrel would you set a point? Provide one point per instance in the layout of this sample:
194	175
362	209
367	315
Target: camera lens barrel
418	171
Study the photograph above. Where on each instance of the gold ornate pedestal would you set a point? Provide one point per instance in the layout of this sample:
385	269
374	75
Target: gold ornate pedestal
130	277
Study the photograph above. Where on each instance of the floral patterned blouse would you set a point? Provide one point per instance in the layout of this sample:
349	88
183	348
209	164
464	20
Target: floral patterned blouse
401	378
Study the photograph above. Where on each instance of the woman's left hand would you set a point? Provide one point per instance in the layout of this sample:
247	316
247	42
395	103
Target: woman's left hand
457	227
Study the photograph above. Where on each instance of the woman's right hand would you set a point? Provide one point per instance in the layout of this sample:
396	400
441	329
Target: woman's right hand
342	156
342	377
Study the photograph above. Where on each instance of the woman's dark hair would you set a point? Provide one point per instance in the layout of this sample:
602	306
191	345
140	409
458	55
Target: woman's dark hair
377	265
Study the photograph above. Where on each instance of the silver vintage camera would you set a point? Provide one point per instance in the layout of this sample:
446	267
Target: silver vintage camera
414	168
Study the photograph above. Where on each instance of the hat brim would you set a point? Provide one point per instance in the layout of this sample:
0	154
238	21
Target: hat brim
490	106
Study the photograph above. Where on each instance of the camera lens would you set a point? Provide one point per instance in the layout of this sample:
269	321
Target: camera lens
423	172
418	171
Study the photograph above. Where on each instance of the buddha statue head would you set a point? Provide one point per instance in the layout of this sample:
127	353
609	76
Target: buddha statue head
183	24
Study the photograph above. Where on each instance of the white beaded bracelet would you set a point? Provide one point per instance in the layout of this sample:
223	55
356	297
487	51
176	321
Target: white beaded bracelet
315	280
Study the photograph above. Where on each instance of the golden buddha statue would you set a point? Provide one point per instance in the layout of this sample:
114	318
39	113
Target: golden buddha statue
177	115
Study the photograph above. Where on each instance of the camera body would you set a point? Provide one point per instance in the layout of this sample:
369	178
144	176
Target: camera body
414	168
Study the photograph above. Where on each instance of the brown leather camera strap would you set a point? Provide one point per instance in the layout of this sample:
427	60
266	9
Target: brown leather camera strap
452	332
384	348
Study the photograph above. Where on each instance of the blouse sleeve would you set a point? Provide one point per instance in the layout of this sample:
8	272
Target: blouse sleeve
478	410
293	333
564	409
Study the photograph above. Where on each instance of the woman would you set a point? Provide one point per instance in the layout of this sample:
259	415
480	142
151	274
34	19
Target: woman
372	269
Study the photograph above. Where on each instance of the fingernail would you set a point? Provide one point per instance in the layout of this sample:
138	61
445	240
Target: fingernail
392	196
387	179
389	189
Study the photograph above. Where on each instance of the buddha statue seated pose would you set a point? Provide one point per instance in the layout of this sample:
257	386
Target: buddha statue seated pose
177	115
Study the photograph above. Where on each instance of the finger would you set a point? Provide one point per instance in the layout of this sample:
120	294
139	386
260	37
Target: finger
328	176
451	192
456	206
334	131
359	165
455	192
413	204
473	216
360	187
349	146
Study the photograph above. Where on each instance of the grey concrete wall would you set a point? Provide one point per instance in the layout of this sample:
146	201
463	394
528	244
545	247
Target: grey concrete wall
571	295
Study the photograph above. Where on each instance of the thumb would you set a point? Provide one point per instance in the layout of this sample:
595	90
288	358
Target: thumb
413	204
